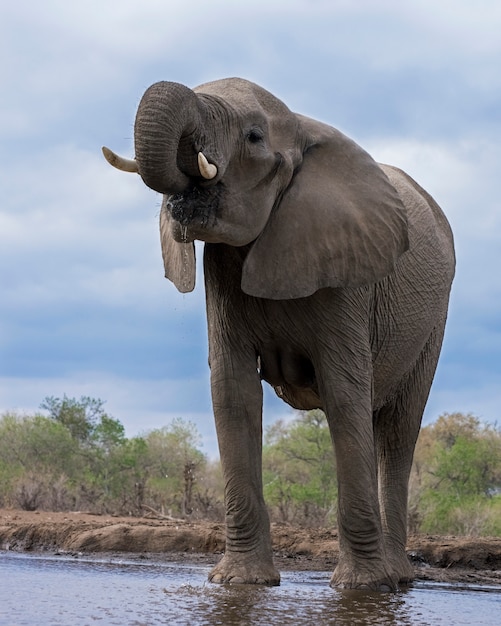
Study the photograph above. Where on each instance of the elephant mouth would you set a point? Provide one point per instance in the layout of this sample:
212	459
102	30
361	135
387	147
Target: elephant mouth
196	205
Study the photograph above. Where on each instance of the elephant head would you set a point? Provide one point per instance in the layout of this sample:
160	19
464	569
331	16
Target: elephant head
308	207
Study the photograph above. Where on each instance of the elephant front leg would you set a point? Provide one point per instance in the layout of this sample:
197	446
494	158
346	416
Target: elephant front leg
237	403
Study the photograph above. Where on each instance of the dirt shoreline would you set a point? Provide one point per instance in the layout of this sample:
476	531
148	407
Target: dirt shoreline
463	560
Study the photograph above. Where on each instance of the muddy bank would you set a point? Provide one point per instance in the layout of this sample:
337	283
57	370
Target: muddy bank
441	559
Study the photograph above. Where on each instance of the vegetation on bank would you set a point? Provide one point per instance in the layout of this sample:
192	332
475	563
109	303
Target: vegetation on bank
77	458
74	456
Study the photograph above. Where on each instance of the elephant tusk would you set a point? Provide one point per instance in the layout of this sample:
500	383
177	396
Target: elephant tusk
208	170
126	165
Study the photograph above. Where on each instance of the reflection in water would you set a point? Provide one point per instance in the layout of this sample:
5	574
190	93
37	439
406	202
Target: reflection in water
386	608
300	603
61	591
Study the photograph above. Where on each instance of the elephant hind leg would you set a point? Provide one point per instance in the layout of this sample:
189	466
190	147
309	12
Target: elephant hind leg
396	428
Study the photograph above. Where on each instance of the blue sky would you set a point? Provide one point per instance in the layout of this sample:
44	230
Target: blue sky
84	307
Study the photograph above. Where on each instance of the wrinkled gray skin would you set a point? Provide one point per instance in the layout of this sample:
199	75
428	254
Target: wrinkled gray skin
328	276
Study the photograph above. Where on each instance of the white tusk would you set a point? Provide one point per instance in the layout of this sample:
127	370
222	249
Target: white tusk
126	165
208	170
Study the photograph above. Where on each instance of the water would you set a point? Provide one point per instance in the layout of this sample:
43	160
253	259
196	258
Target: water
55	590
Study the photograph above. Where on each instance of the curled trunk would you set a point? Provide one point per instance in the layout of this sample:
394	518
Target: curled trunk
167	135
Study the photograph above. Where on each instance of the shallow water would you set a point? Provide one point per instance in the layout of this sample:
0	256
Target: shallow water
58	590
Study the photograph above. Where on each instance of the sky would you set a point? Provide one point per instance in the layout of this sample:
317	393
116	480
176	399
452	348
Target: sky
84	307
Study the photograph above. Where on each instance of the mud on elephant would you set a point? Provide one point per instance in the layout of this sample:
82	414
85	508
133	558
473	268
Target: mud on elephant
327	275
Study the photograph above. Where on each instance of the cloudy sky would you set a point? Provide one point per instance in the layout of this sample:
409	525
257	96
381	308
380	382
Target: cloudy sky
84	307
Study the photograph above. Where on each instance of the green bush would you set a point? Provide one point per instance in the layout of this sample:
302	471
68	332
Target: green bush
455	476
299	470
78	458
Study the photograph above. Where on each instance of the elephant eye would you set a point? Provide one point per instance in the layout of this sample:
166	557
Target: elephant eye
255	135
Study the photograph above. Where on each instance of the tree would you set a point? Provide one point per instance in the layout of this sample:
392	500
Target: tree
123	475
299	469
78	456
100	441
36	460
79	416
175	465
456	473
209	493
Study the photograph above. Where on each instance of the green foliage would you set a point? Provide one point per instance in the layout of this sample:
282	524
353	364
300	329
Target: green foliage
456	473
79	416
35	453
455	484
175	463
299	470
108	433
78	457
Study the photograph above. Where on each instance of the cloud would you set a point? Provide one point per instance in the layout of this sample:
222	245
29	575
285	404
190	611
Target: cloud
84	306
480	399
135	402
67	215
83	280
78	229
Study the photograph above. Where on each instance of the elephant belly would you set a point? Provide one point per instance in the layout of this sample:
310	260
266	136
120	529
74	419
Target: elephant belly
292	376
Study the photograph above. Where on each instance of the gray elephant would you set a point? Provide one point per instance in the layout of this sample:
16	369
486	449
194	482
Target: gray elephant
327	276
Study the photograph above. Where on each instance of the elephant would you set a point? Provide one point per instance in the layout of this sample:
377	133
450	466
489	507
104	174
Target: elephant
327	275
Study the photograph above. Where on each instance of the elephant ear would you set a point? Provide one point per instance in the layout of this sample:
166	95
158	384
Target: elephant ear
340	223
179	258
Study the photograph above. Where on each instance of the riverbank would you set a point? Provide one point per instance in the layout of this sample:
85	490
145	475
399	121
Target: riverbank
440	559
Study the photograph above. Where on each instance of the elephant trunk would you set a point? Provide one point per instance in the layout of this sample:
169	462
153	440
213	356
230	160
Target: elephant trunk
167	136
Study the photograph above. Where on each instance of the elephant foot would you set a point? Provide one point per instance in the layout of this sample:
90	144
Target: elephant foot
401	566
405	572
368	577
244	569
